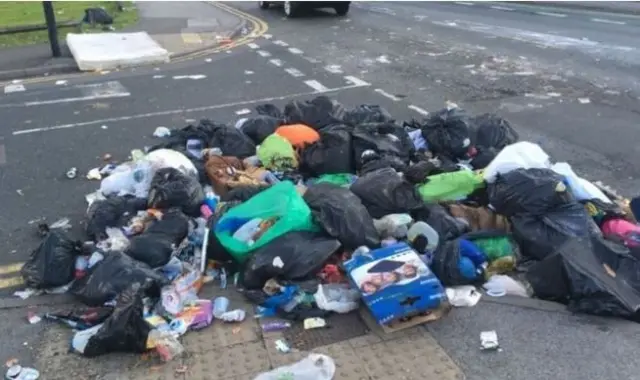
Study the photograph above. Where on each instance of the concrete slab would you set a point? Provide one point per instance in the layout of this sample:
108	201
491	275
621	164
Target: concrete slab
108	51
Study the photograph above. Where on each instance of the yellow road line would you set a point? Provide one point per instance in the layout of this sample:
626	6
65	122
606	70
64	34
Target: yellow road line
10	282
259	28
11	268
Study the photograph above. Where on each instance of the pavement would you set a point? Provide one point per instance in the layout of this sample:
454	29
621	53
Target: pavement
182	28
566	82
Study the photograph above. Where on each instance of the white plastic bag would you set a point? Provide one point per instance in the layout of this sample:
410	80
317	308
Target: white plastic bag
499	285
581	188
393	225
313	367
521	155
337	297
463	296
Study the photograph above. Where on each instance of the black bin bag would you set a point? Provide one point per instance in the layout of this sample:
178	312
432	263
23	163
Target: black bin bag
384	192
317	113
113	275
528	191
260	127
52	264
156	244
230	140
342	215
492	131
382	138
293	256
448	133
331	154
115	211
124	331
171	188
367	113
445	264
591	275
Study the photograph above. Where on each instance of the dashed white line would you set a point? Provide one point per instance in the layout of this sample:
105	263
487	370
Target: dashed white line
356	81
316	85
386	94
264	53
551	14
497	7
335	69
311	59
13	88
276	62
605	21
419	110
78	99
253	46
463	3
295	51
294	72
280	43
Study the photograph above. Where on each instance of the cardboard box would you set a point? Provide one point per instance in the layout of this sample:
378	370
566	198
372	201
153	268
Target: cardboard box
395	283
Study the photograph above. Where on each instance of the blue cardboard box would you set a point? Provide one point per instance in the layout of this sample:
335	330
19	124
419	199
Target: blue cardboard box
395	282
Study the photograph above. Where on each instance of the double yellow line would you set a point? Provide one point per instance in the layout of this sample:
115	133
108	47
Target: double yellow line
10	275
256	25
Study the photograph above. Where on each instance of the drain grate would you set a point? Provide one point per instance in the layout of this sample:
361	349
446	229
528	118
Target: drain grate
341	327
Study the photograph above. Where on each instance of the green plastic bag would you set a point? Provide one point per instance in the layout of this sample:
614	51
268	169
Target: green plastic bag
280	201
342	179
277	153
496	247
450	186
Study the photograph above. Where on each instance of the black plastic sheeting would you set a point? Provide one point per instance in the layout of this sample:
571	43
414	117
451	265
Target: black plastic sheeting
382	138
115	211
292	256
592	276
114	274
242	193
157	243
341	214
367	113
230	140
331	154
171	188
449	133
384	192
52	264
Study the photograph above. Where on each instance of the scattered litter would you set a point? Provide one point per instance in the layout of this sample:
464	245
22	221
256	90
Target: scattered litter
104	127
94	174
244	111
61	82
314	323
162	132
463	296
17	372
63	224
275	326
282	346
248	72
72	173
313	367
489	341
208	60
33	318
383	59
584	100
158	76
20	193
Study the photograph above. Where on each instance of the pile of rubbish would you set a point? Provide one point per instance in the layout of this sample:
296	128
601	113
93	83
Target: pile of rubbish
317	208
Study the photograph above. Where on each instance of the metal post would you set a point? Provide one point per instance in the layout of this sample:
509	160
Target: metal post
50	17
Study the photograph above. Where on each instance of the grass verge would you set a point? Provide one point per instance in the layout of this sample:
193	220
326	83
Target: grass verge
15	13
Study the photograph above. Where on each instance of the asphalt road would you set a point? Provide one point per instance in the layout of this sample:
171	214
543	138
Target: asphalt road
566	82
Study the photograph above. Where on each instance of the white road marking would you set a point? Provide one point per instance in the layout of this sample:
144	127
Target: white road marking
356	81
294	72
293	50
497	7
418	110
463	3
244	111
316	85
264	53
92	91
13	88
182	110
280	43
386	94
584	100
276	62
310	59
194	77
383	59
267	36
61	82
248	72
335	69
551	14
70	100
605	21
253	46
158	76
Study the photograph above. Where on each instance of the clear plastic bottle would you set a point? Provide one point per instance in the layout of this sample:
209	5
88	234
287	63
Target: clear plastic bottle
275	326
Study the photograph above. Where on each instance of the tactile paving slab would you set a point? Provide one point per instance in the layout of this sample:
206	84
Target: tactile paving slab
414	357
240	361
341	327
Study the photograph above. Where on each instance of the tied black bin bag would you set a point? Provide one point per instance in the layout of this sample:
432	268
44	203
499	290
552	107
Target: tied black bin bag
156	244
492	131
115	211
113	275
591	275
171	188
260	127
331	154
52	264
342	215
317	113
292	256
529	191
124	331
448	133
384	192
445	264
230	140
383	138
366	113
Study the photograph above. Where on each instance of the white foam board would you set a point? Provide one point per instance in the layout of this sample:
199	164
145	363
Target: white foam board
108	51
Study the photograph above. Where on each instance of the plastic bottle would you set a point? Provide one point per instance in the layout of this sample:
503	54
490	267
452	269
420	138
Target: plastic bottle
210	198
275	326
220	306
82	263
